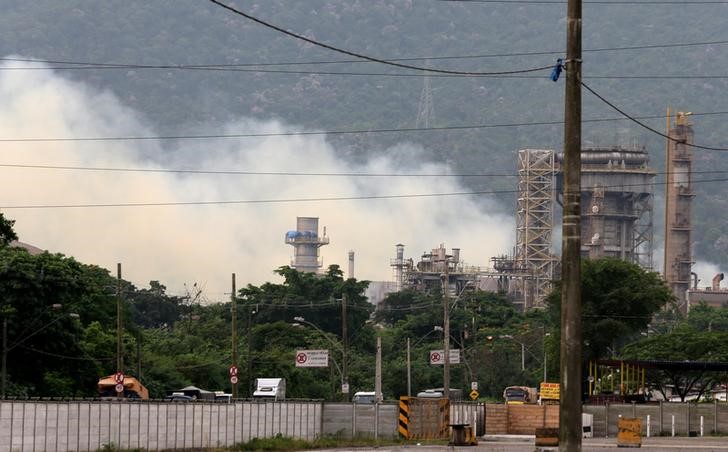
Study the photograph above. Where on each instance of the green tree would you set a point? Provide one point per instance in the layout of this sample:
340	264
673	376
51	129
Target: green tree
7	234
619	300
681	345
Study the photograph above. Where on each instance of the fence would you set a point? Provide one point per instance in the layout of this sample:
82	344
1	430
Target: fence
681	419
90	425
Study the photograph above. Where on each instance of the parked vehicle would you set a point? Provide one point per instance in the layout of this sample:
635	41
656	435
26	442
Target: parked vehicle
519	395
270	388
178	397
133	388
455	394
365	397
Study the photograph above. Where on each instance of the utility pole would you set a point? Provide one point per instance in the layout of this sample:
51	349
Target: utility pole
446	332
378	372
234	314
5	353
119	326
345	349
249	372
409	371
570	431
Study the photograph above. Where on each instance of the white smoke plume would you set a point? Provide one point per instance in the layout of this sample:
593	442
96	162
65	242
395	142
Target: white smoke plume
180	245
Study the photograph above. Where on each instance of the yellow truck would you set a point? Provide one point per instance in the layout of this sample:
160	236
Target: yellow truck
132	388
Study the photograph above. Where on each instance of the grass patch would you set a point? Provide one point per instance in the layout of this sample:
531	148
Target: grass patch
284	443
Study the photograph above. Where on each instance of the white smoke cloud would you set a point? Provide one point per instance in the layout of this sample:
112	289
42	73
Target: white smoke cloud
206	243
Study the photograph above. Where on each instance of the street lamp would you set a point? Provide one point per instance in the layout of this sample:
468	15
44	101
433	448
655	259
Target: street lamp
524	349
409	361
7	348
342	374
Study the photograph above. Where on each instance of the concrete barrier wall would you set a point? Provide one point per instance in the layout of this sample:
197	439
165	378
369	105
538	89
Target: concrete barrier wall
86	426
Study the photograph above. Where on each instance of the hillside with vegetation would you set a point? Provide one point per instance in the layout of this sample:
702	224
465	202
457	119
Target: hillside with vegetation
260	73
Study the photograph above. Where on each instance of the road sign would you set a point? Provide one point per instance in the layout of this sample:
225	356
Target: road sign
312	358
550	391
474	385
119	378
345	388
474	394
119	387
233	371
234	379
438	356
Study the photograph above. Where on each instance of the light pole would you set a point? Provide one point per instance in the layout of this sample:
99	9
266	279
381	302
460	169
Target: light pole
409	361
342	373
524	349
20	341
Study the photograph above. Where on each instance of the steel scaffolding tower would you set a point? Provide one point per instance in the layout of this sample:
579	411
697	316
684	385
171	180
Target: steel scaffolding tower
534	222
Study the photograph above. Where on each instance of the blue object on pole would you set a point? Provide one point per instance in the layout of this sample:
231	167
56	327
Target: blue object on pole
556	71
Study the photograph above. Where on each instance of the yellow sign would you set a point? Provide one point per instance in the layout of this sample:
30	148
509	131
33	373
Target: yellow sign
550	391
474	394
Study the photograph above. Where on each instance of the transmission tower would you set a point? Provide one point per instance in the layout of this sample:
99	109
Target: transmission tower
426	109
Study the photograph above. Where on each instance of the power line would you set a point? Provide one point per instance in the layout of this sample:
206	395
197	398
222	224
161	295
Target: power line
379	74
273	173
366	57
598	2
325	132
97	65
301	200
645	126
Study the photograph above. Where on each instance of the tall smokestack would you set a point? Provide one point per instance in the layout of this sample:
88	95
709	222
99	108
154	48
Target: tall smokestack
351	264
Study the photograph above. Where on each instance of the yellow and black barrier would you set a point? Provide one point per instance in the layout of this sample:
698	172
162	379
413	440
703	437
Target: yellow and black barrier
424	418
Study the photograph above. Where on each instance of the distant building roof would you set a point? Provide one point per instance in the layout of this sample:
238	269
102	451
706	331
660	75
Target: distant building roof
27	247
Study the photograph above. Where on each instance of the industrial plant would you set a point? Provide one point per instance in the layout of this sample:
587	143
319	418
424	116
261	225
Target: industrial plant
617	220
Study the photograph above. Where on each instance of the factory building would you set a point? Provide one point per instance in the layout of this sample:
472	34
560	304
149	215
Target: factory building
713	295
616	204
306	242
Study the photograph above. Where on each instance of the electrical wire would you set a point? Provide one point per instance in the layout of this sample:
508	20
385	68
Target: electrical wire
97	65
395	74
278	173
645	126
326	132
366	57
301	200
598	2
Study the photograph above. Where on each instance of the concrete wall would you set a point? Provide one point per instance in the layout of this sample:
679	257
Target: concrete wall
351	420
84	426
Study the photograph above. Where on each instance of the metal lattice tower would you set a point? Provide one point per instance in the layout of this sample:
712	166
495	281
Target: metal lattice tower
534	221
678	201
426	109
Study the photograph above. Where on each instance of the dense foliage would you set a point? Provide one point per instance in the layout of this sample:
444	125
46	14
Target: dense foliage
619	300
61	328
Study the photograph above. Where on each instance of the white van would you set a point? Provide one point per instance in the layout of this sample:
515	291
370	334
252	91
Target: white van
270	388
365	397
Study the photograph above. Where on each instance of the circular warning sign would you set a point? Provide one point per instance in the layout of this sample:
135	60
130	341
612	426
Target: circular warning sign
435	357
119	387
234	379
301	358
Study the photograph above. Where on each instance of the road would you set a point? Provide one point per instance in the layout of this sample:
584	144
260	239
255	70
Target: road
526	444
